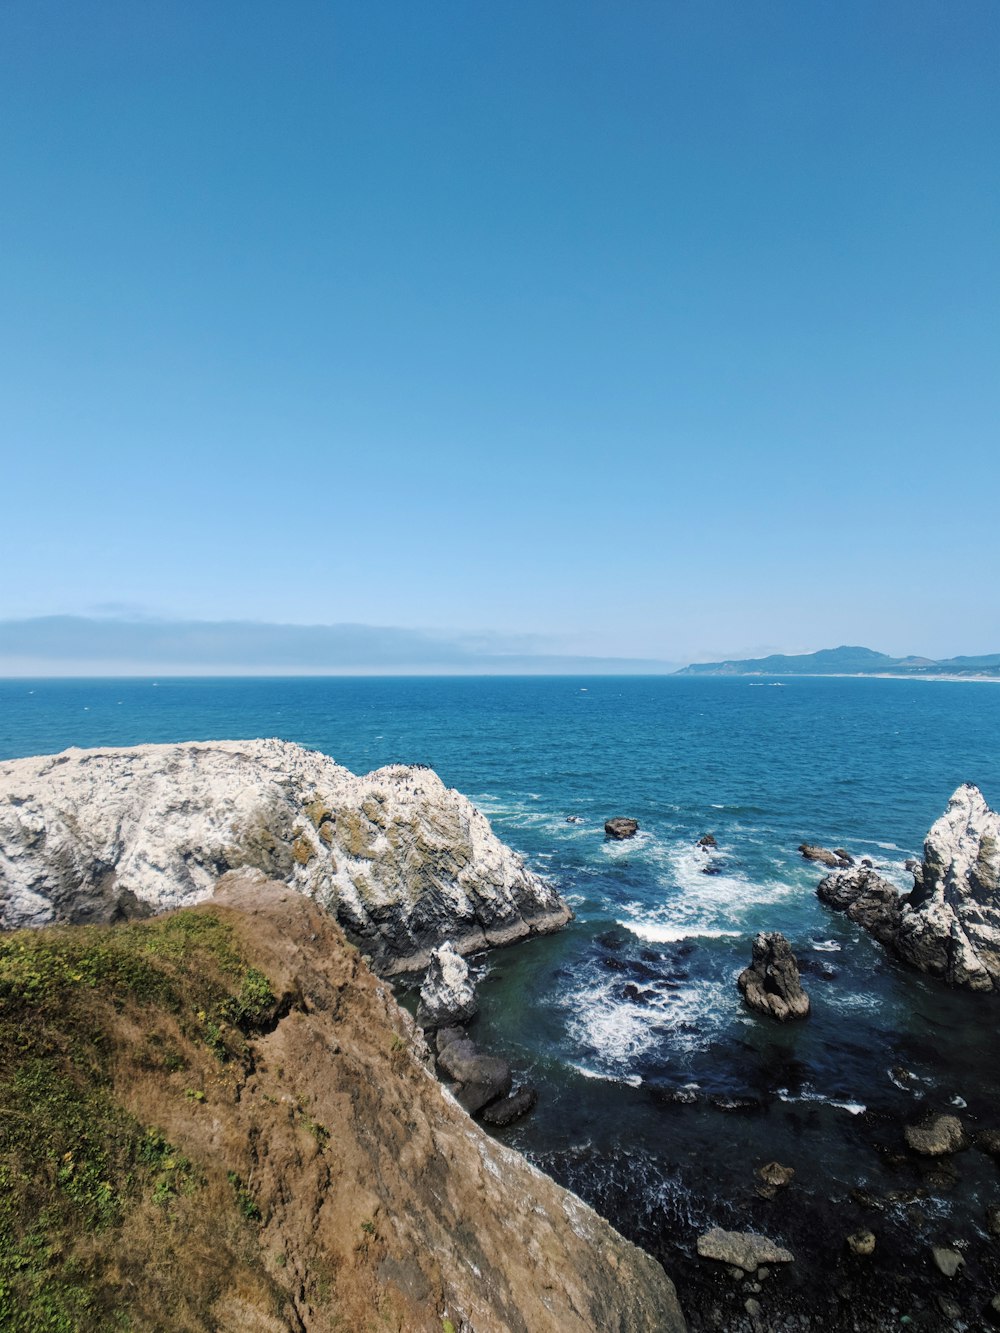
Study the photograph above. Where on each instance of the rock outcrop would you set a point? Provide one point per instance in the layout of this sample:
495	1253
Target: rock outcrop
402	862
619	828
835	860
949	924
771	985
867	898
447	996
319	1178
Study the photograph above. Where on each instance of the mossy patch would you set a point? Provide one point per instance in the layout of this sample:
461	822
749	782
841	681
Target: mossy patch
74	1163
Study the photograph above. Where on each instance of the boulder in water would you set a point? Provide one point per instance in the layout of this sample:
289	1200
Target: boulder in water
480	1079
707	840
771	985
618	829
741	1249
939	1135
823	855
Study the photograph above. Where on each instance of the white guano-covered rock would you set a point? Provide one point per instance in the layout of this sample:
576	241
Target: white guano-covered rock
402	861
950	926
447	995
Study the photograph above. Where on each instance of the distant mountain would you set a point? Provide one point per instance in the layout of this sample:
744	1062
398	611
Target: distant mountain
848	661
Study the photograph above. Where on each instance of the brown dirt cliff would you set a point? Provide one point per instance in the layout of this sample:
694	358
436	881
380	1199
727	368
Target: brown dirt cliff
296	1165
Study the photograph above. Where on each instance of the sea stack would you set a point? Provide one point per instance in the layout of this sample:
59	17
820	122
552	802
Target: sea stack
771	985
949	924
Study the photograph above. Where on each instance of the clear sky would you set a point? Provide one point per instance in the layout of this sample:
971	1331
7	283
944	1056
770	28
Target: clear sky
643	329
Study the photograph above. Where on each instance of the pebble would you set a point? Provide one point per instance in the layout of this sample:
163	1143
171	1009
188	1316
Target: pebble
947	1261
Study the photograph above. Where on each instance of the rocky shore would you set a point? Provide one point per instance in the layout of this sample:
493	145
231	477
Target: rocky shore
401	861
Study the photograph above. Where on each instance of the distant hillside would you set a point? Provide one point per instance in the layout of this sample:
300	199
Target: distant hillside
847	661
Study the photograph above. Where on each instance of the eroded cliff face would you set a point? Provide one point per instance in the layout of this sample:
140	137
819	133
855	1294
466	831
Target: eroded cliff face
402	862
949	925
296	1165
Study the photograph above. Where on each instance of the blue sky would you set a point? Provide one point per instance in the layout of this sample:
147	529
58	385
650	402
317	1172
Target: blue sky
652	330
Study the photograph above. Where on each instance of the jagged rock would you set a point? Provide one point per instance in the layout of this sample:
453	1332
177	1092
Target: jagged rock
771	984
949	924
707	840
846	859
939	1135
776	1175
401	861
867	898
480	1079
825	857
741	1249
447	996
619	829
861	1243
946	1261
988	1140
510	1108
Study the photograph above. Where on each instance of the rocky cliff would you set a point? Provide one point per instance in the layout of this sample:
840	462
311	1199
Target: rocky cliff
949	925
402	862
219	1119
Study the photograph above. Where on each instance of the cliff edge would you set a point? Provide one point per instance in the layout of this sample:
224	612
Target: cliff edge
219	1119
402	861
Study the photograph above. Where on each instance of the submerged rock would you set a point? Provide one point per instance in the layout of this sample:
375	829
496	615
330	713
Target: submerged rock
400	860
937	1136
447	996
771	985
707	840
949	924
741	1249
618	829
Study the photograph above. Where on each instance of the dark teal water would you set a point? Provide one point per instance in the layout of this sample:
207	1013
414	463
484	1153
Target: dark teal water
659	1093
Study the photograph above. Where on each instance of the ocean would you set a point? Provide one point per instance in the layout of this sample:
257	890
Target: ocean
660	1094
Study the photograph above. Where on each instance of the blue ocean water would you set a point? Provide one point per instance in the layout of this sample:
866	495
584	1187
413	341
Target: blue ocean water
659	1092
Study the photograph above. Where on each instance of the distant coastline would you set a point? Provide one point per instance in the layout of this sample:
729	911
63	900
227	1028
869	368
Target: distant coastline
850	661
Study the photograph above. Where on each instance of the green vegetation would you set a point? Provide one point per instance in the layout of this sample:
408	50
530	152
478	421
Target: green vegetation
74	1164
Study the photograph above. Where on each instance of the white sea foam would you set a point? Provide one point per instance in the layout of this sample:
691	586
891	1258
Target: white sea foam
655	934
633	1080
825	946
808	1095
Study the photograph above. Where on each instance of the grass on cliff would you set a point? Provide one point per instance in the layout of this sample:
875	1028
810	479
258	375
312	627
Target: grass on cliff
76	1169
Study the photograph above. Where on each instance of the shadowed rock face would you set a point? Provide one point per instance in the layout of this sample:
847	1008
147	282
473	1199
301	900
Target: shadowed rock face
771	984
949	925
402	862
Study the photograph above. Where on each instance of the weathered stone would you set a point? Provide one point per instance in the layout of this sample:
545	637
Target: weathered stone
510	1108
447	996
867	898
946	1261
402	862
988	1141
618	829
742	1249
861	1243
771	985
775	1175
821	854
707	840
480	1079
937	1136
445	1036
